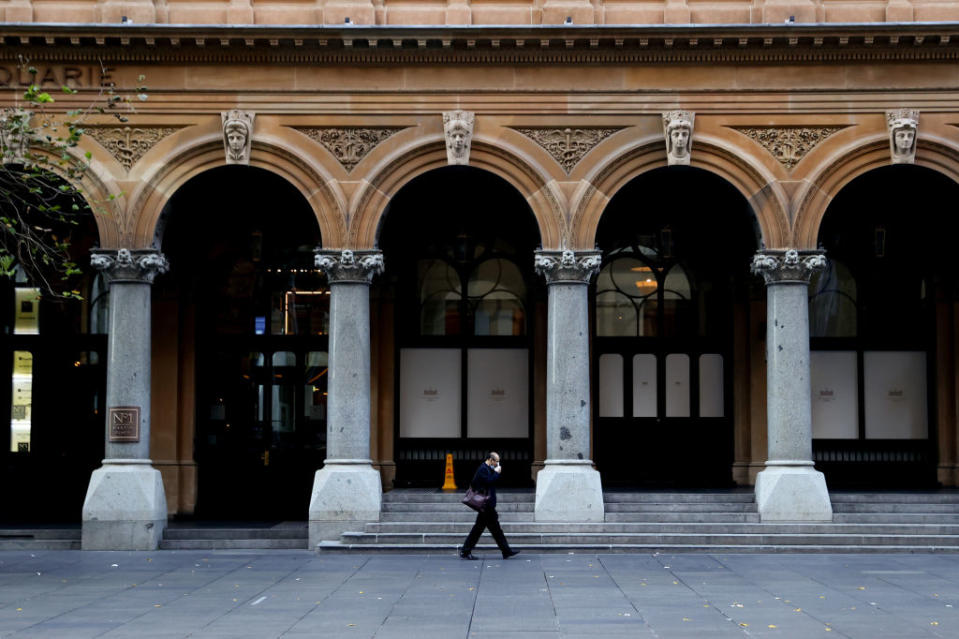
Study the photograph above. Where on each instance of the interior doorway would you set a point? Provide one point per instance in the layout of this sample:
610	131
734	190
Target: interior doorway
873	336
676	248
458	245
240	242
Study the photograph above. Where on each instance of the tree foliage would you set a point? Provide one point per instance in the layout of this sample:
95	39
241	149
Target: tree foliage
42	194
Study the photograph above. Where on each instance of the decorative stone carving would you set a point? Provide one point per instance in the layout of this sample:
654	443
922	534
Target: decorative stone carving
237	135
458	127
903	130
349	266
129	265
567	266
349	145
129	144
14	135
788	144
778	266
678	129
568	146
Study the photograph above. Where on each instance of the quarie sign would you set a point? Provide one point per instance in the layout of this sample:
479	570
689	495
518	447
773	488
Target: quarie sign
75	77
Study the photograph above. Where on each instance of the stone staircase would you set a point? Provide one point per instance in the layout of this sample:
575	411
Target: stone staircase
65	537
235	536
430	521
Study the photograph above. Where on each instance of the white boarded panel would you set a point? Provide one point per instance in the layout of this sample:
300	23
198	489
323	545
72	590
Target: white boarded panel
896	400
835	394
677	385
611	385
498	404
644	386
430	392
711	387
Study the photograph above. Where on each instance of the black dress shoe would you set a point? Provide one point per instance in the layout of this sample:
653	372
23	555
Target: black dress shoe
510	553
467	555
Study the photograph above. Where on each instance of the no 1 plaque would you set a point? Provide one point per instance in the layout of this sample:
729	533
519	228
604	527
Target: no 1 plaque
125	424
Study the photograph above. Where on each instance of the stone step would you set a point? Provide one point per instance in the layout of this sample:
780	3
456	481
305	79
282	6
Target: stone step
463	514
236	533
893	507
670	539
667	528
234	544
72	532
14	543
670	507
919	497
665	517
489	552
903	518
412	495
501	507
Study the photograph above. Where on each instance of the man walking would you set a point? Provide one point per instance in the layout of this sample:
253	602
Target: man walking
484	481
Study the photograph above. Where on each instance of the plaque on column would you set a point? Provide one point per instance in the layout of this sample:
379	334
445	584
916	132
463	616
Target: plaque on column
124	424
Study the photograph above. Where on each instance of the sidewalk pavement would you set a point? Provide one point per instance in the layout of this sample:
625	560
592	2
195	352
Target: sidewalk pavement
259	594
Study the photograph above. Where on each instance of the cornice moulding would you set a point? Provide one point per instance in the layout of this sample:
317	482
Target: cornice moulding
530	44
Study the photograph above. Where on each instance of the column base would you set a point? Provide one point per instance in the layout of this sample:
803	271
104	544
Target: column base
125	507
569	491
347	493
792	491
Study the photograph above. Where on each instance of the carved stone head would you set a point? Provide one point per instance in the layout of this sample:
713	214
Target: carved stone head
678	129
903	130
14	135
458	127
237	135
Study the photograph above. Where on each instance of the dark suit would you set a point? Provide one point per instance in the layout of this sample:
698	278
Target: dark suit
485	481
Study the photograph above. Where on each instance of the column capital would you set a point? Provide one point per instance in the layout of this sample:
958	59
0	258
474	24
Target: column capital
788	266
129	265
567	266
349	266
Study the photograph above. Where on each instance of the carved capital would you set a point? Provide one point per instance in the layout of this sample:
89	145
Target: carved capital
903	127
567	266
788	266
349	266
458	128
129	265
237	135
678	129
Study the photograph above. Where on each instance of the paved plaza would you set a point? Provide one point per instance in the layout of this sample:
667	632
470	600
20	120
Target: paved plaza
257	594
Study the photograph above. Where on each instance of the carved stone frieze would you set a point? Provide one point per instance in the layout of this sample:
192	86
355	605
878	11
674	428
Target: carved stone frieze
349	266
349	145
14	135
788	144
567	266
129	144
903	127
458	127
129	265
568	146
778	266
237	135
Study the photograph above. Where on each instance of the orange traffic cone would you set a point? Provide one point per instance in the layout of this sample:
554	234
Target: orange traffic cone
449	483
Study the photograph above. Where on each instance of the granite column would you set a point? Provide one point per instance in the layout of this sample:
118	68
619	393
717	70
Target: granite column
125	505
347	491
789	488
568	488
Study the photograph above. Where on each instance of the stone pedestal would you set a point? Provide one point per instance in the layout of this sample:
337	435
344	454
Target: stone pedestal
125	506
347	491
789	489
568	488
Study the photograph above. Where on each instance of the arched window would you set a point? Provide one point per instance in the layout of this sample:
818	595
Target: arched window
832	302
631	291
496	291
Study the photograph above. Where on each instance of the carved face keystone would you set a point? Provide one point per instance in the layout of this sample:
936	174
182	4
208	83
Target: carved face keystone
904	138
